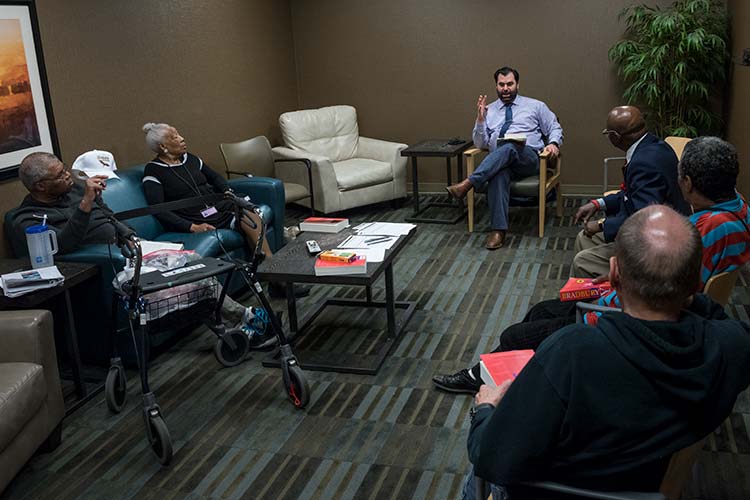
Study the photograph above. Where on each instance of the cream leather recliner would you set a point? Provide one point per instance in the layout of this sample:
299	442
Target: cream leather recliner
347	170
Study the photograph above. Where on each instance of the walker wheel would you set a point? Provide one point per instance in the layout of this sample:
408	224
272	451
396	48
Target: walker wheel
296	386
232	347
158	437
115	388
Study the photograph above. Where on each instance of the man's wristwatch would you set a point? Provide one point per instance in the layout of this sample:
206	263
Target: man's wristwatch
600	223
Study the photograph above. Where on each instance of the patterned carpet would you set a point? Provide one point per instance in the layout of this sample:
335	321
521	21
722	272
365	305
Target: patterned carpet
365	437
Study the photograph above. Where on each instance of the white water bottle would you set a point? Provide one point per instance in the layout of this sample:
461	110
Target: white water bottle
42	243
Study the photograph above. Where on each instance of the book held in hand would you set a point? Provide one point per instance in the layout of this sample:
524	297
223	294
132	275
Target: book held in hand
323	224
497	367
583	289
332	268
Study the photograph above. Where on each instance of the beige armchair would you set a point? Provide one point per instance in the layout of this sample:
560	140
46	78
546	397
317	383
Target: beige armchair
31	400
347	170
254	157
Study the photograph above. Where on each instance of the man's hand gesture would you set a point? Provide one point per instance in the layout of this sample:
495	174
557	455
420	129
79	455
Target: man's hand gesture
481	108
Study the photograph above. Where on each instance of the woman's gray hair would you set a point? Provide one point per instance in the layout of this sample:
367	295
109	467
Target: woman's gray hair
35	167
156	133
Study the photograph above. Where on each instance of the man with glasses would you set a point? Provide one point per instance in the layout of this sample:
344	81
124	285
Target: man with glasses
68	208
650	174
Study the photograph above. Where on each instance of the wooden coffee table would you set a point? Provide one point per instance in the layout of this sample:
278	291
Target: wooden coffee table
292	264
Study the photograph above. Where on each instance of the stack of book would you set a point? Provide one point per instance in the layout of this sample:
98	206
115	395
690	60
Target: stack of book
335	262
23	282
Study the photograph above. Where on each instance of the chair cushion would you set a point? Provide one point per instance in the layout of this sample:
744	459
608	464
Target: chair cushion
22	392
528	186
331	131
360	172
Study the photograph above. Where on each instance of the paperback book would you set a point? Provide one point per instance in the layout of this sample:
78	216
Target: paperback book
332	268
323	224
497	367
583	289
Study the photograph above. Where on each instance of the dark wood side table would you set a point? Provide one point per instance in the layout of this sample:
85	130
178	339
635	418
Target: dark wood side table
292	264
59	298
443	149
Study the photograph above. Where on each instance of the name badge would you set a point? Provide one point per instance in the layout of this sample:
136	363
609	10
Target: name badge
208	212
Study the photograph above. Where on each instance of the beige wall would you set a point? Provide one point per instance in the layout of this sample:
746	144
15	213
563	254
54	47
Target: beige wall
738	124
219	70
414	69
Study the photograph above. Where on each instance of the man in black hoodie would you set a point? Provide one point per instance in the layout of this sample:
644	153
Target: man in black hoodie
605	407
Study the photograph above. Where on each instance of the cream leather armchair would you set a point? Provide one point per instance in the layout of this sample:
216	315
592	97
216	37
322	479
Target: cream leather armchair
31	400
347	170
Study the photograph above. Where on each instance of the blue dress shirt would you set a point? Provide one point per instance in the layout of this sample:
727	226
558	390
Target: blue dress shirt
530	117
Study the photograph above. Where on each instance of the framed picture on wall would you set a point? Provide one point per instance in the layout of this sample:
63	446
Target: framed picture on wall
26	122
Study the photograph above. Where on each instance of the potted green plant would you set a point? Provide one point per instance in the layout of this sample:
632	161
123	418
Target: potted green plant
673	61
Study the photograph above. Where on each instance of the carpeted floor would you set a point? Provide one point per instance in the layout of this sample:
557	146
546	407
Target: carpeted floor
365	437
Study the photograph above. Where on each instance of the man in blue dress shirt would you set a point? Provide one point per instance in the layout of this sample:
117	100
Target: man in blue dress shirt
508	159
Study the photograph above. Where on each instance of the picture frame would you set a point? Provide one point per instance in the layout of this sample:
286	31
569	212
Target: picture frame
26	121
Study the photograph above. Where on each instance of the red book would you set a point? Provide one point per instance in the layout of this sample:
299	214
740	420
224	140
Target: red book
331	268
583	289
497	367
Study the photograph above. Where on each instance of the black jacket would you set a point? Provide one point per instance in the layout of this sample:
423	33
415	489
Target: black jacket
606	406
650	177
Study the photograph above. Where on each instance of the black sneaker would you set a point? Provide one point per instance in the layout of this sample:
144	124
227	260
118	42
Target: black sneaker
460	382
277	290
263	342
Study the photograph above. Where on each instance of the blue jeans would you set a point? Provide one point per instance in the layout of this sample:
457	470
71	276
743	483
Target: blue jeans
508	162
470	489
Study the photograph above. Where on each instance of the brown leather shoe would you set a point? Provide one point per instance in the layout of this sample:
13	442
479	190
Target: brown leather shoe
494	240
459	190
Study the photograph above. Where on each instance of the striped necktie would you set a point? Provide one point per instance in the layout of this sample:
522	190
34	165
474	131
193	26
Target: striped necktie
508	120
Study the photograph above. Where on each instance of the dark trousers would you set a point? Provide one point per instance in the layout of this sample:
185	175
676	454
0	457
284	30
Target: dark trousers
542	320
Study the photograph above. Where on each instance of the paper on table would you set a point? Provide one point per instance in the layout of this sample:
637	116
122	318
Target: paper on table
358	241
23	282
384	228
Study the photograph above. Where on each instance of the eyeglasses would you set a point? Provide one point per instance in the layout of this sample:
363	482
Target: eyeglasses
57	177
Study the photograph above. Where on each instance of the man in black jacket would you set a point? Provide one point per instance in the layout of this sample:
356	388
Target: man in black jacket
650	176
68	208
605	407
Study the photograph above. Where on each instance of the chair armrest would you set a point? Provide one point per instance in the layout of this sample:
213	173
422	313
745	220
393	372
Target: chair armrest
324	180
572	491
377	149
586	307
470	156
28	337
268	191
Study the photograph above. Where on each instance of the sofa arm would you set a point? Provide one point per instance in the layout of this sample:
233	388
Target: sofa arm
325	185
389	152
267	191
376	149
27	337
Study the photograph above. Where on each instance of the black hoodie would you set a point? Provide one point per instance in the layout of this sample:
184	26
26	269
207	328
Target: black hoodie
605	407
